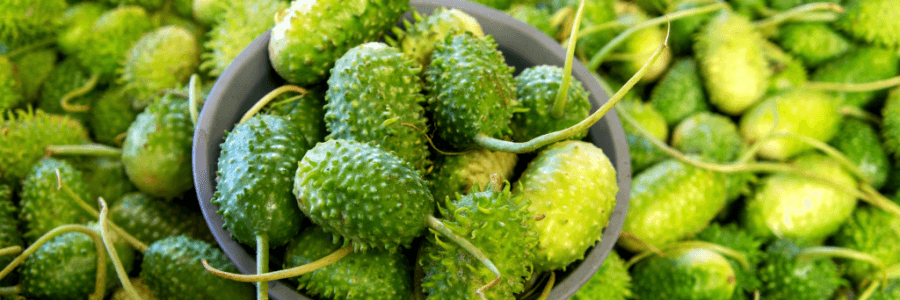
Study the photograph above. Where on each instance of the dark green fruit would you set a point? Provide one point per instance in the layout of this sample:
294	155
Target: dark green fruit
374	274
308	37
643	153
860	142
27	21
471	90
611	282
873	231
861	65
814	43
685	274
24	136
679	93
172	270
11	92
418	40
110	38
710	135
161	59
157	148
873	21
236	25
44	205
538	18
890	130
306	113
9	230
34	68
105	177
681	32
328	188
458	174
784	275
65	78
732	237
110	116
807	113
537	89
149	219
392	118
78	21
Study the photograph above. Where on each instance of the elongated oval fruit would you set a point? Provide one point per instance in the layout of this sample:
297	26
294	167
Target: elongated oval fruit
735	238
595	13
860	142
34	68
68	76
26	133
715	137
679	93
236	25
807	113
161	59
873	231
637	49
306	113
873	21
573	185
643	153
111	37
149	219
77	23
536	89
785	275
110	116
44	205
814	43
458	174
309	36
418	40
172	270
105	177
861	65
685	274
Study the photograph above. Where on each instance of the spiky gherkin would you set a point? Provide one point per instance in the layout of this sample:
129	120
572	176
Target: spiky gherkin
685	274
149	219
306	112
536	89
471	90
78	22
110	38
418	40
110	116
26	133
861	65
208	12
812	42
873	21
27	21
239	23
396	198
643	153
637	49
105	177
860	143
679	94
310	35
784	274
496	222
44	205
11	93
797	110
172	269
611	282
890	130
161	59
458	174
537	17
374	274
65	78
10	235
733	237
34	68
389	115
709	135
873	231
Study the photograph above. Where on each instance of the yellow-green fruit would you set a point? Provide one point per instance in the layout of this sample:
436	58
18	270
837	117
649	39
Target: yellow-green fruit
10	85
26	21
161	59
24	136
418	40
458	174
643	153
685	274
34	68
637	49
44	205
110	38
806	113
142	290
208	12
873	21
77	23
239	23
611	282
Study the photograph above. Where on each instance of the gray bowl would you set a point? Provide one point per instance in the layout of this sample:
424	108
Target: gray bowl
251	76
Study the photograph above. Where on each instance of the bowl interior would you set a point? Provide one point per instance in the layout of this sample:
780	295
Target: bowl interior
251	76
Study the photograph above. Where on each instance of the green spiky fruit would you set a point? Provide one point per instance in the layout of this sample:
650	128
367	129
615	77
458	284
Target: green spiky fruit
861	65
149	219
24	136
814	43
573	218
730	55
396	197
458	174
110	116
105	177
239	23
142	290
11	92
42	276
496	222
671	201
537	89
44	205
392	118
309	36
471	90
595	13
873	231
611	282
787	75
34	68
172	270
537	17
418	40
78	22
254	203
679	93
637	49
709	135
681	32
807	113
9	230
643	153
65	78
146	4
307	113
157	148
375	274
733	237
873	21
785	275
208	12
110	38
26	21
890	130
859	141
685	274
791	206
161	59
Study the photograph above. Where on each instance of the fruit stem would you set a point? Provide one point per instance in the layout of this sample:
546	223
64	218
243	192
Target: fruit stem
828	150
854	87
286	273
641	242
86	88
878	200
597	28
858	113
10	250
867	293
560	17
194	97
85	149
562	94
99	284
439	226
111	249
262	265
11	290
268	98
827	251
595	62
797	11
549	286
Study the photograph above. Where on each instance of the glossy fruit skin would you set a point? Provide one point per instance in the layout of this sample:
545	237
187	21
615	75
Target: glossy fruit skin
573	218
254	180
709	135
685	274
861	65
116	30
536	89
26	133
149	219
735	238
644	154
374	274
679	94
235	24
784	275
44	206
77	22
9	230
11	93
172	270
458	174
157	148
808	113
470	90
307	114
392	118
309	37
418	40
859	141
873	231
611	282
161	59
396	197
110	116
872	21
640	46
812	42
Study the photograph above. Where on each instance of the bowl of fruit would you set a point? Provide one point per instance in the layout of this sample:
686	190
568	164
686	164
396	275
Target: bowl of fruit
355	155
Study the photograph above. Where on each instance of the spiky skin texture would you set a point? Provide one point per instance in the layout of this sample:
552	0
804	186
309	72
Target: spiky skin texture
671	201
496	222
890	130
78	22
860	142
34	68
873	231
470	90
784	275
595	13
44	205
685	274
307	113
807	113
172	270
147	4
310	35
538	18
374	95
637	49
732	237
149	219
861	65
873	21
11	92
458	174
373	275
110	38
679	94
26	21
105	177
142	290
66	266
709	135
66	77
536	89
643	153
157	148
814	43
419	39
611	282
110	116
734	69
254	180
574	218
9	230
23	136
787	75
238	24
681	32
208	12
801	208
386	210
161	59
